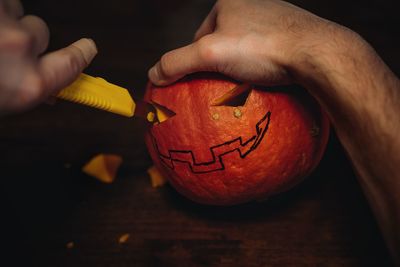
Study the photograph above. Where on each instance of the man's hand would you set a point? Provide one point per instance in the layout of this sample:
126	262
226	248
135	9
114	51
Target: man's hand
271	42
27	77
249	40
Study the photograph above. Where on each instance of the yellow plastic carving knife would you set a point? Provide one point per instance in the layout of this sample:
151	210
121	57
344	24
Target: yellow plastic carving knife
98	93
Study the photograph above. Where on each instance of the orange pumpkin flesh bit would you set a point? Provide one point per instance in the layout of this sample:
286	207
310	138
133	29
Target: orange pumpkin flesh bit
225	155
123	238
103	167
156	178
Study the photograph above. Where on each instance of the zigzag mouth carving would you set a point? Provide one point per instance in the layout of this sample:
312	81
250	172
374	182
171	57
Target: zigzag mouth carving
218	151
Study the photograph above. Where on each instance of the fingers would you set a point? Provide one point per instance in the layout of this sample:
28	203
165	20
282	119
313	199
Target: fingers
207	54
37	29
27	79
208	25
21	86
13	8
25	83
175	64
198	56
28	36
60	68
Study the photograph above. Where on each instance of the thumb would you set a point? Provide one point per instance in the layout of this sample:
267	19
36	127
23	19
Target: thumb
202	55
61	67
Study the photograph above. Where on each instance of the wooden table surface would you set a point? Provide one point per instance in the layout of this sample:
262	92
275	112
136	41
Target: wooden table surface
47	202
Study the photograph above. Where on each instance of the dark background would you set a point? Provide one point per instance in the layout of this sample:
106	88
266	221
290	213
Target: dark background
47	202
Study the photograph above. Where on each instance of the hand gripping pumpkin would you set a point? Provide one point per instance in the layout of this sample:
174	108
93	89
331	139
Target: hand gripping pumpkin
247	146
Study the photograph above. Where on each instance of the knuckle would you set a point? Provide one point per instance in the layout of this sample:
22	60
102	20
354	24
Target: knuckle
209	51
12	7
73	62
35	86
31	90
20	41
165	65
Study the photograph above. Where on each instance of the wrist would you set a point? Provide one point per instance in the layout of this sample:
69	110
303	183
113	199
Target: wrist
353	84
325	59
342	71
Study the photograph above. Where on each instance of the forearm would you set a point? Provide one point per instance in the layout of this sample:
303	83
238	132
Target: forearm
362	97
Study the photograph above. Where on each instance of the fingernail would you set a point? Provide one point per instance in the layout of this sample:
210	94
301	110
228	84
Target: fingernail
87	47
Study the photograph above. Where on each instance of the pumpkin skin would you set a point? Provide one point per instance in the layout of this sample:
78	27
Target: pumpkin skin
226	159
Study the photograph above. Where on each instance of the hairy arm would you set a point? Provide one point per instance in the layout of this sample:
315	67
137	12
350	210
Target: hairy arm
362	97
272	42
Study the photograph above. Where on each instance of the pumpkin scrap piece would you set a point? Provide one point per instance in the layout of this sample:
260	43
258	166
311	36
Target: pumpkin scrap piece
103	167
123	238
157	179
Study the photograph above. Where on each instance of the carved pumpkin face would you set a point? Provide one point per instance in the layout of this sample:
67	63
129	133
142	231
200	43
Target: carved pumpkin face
252	146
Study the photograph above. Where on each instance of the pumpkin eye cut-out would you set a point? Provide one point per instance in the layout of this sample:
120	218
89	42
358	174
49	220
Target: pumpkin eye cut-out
162	113
234	98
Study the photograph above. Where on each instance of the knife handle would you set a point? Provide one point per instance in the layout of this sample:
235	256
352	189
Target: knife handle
98	93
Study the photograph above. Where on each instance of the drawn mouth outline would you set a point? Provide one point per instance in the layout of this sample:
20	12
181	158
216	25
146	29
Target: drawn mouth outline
217	151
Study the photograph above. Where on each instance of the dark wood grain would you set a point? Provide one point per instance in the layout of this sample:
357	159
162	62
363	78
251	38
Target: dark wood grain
323	222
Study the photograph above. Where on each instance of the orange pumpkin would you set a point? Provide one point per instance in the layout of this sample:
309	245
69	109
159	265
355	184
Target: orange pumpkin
254	145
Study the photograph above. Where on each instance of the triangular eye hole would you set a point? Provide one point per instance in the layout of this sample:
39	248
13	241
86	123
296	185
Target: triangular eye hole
162	112
234	98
